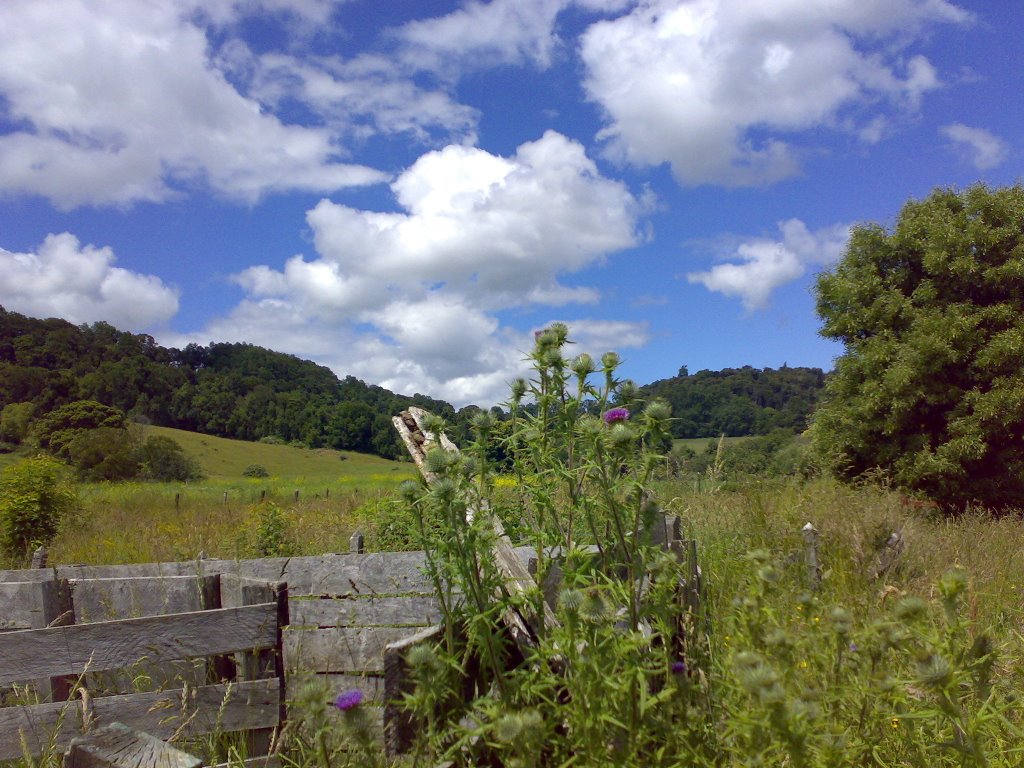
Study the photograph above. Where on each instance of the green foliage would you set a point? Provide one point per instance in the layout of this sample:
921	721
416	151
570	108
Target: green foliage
272	536
230	390
255	470
164	460
60	427
930	390
105	453
14	421
35	495
739	401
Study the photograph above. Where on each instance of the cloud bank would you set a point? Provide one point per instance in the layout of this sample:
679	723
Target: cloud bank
82	285
414	299
719	89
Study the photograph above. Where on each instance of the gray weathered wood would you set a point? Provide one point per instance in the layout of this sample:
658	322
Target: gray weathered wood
356	543
376	573
412	610
135	597
37	605
340	649
114	644
399	726
269	663
810	534
118	746
227	707
39	557
31	604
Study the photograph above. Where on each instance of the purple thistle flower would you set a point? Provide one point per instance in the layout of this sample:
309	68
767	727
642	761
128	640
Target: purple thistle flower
678	667
615	415
349	699
853	647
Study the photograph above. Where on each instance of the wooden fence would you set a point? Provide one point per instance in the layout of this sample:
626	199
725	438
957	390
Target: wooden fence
167	623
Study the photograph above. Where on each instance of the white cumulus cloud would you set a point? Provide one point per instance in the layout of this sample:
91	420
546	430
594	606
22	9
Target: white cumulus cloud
118	101
719	88
81	284
413	299
762	265
981	148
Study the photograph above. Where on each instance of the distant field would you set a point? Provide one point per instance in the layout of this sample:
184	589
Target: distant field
225	460
700	444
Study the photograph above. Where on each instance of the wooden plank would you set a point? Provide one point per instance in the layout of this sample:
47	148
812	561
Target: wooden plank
341	649
264	761
118	746
227	707
376	573
30	604
134	597
412	610
114	644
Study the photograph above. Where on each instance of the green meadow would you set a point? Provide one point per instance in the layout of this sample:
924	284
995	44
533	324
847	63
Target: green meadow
311	502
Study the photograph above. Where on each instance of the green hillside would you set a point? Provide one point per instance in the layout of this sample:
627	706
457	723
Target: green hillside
223	459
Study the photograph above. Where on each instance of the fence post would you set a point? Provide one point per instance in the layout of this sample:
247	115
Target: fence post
296	497
355	543
810	534
238	591
177	500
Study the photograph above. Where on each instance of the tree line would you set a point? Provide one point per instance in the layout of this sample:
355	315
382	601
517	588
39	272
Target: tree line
246	392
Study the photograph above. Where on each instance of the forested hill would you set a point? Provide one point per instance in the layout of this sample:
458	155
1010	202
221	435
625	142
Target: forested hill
739	401
228	390
247	392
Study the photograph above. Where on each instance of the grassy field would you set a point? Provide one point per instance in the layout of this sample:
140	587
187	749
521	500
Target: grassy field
222	515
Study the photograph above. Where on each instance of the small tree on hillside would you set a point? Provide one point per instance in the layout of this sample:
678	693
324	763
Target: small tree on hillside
930	388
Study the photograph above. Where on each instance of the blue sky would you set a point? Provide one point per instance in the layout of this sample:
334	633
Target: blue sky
405	190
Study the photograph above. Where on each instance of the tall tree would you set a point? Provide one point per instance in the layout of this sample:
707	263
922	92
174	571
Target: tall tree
930	389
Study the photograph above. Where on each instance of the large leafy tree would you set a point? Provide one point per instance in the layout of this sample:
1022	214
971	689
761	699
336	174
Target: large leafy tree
930	389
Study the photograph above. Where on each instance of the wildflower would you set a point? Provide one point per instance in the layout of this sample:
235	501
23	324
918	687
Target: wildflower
803	664
678	667
615	415
894	722
853	647
350	699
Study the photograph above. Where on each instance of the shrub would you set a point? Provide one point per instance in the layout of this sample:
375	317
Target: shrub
163	459
273	537
255	470
35	494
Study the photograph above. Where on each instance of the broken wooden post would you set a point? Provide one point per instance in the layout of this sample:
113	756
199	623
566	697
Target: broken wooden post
39	558
355	543
517	578
118	746
810	534
400	727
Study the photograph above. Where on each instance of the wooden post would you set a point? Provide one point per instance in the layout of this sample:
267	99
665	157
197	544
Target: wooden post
399	726
238	591
521	626
355	543
296	497
177	500
263	495
810	534
225	497
39	558
327	493
118	746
